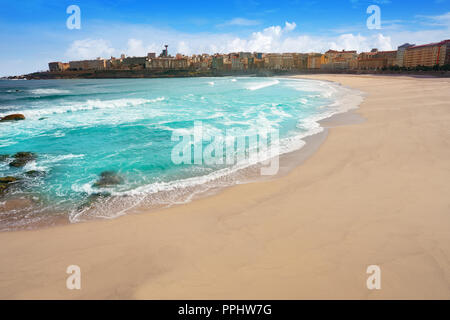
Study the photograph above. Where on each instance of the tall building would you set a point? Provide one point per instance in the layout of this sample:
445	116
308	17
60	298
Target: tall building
300	61
315	60
165	52
401	53
428	55
237	63
287	61
217	62
273	61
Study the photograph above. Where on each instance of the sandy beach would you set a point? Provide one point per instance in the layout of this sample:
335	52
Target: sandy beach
374	193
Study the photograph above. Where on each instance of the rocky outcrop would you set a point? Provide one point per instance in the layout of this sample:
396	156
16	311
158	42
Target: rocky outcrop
108	178
6	183
13	117
8	179
22	158
4	157
34	173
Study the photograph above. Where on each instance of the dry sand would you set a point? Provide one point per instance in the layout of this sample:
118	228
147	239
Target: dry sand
376	192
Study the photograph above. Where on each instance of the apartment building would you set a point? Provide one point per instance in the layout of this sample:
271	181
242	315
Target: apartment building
428	54
58	66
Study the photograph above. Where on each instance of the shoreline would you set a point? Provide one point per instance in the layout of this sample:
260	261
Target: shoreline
340	112
375	192
188	73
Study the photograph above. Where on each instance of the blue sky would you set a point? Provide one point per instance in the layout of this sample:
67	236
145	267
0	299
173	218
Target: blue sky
34	32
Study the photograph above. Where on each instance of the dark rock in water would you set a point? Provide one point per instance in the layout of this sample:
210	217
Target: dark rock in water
108	178
24	155
5	184
35	173
4	157
3	189
13	117
93	198
43	118
97	197
22	158
8	179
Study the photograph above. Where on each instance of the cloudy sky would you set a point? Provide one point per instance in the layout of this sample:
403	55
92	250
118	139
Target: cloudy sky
34	32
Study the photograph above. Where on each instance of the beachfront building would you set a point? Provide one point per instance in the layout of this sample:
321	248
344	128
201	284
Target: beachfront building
200	62
58	66
407	55
98	64
287	61
258	63
315	60
167	63
428	55
276	61
340	60
300	61
217	62
273	61
401	53
134	63
333	55
114	64
377	60
367	61
389	56
236	62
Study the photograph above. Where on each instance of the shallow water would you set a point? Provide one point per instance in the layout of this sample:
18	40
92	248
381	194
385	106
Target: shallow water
81	128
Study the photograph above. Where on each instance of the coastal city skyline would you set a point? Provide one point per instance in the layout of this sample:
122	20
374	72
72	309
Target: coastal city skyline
407	57
138	28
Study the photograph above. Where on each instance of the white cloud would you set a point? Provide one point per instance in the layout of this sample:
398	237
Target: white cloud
89	48
290	26
138	41
242	22
136	48
440	20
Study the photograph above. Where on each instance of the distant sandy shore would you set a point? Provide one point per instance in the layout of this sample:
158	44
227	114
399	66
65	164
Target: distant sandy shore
375	193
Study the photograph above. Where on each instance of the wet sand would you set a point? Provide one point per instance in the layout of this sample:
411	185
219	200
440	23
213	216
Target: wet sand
376	192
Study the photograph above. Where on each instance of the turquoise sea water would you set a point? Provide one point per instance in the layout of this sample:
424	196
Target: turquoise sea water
80	128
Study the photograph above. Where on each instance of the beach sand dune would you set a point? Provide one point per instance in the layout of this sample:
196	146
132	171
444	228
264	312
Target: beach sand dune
375	193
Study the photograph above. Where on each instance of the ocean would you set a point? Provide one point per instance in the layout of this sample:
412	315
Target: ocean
79	129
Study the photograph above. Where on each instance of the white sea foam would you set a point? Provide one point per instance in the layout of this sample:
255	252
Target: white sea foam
49	91
303	100
33	166
344	99
255	116
86	106
53	159
261	85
